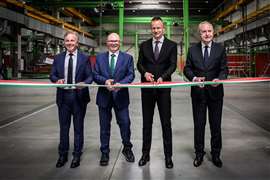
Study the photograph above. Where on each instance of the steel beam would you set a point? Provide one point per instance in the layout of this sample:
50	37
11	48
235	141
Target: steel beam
33	24
121	22
186	26
147	20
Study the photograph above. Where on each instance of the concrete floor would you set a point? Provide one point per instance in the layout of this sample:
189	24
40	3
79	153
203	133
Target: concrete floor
29	137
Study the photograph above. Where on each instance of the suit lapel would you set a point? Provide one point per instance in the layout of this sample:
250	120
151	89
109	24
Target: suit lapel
150	48
62	64
212	52
199	50
163	47
107	63
119	61
79	62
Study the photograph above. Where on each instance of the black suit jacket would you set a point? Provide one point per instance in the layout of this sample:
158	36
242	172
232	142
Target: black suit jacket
216	67
164	66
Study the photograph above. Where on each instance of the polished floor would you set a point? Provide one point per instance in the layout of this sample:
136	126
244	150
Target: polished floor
29	136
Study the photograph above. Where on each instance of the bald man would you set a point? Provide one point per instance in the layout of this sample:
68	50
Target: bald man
114	67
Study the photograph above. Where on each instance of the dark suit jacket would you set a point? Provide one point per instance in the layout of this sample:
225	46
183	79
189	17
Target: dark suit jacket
164	66
83	74
123	74
216	67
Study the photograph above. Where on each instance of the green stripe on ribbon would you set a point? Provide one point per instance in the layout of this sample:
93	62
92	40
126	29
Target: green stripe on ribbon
11	83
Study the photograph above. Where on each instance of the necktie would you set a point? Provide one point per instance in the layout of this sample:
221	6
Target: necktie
205	56
156	51
70	69
112	63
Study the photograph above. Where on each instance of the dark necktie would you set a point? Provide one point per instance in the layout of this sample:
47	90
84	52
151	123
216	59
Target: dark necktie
70	69
156	50
112	63
205	56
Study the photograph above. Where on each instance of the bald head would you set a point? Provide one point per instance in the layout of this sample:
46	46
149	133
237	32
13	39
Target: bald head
113	42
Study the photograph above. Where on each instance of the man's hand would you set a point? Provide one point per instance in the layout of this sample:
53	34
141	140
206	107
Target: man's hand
160	80
109	83
80	87
60	81
116	89
215	80
149	77
199	79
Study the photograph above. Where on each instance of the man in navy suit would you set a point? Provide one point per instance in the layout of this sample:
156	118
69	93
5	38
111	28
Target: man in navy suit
113	67
206	61
156	63
71	67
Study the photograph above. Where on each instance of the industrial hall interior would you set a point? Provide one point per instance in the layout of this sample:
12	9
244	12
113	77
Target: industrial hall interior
134	89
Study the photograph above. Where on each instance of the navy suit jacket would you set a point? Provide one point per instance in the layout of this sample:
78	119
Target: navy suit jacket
216	67
123	74
83	74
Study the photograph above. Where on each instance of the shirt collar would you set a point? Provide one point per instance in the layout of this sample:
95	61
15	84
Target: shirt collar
209	45
116	53
160	40
74	53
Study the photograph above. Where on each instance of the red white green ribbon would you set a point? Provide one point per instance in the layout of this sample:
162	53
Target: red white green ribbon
17	83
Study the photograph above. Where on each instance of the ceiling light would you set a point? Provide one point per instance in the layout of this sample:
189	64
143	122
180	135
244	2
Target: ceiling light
151	2
96	10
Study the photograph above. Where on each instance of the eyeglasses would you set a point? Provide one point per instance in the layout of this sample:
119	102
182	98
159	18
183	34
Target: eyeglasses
113	41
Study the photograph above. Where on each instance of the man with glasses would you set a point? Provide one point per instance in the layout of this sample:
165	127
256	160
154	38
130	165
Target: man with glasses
114	67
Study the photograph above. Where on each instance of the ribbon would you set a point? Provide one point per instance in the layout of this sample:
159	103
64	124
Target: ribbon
16	83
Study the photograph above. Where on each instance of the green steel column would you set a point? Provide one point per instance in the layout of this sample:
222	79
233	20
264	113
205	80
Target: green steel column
168	29
121	21
186	26
136	46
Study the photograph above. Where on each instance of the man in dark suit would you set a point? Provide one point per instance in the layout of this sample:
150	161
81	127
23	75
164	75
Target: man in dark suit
206	61
156	63
71	67
114	67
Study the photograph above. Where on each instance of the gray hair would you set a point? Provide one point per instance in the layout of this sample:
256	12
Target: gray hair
72	32
204	22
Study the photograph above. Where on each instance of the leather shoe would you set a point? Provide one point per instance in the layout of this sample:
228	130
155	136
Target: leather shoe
198	160
217	161
127	152
168	162
144	159
75	162
104	160
61	161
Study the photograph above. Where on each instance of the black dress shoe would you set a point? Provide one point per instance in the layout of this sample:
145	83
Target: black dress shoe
144	159
127	152
217	161
61	161
198	160
168	162
75	162
104	160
